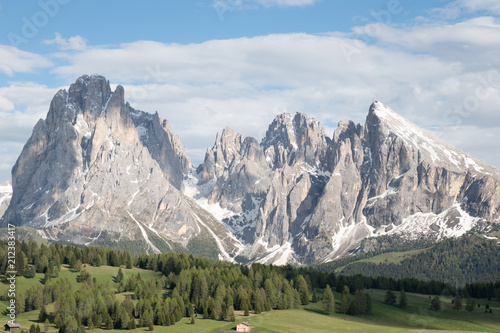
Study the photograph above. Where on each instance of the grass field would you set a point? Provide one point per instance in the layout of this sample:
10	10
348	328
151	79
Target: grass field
385	318
389	257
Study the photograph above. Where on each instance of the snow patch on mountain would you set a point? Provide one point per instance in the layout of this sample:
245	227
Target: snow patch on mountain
5	197
453	222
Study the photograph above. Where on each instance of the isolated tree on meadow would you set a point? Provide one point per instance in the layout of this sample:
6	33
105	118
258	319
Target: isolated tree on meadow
436	304
389	297
457	303
403	301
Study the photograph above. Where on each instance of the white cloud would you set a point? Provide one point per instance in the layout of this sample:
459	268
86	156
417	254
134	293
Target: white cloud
442	76
73	43
492	6
26	104
245	82
15	60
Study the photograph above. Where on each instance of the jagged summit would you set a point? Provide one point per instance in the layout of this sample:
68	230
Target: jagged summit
385	126
96	171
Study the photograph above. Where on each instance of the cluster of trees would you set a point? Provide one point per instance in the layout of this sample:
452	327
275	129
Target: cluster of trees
190	286
467	259
390	298
360	304
32	258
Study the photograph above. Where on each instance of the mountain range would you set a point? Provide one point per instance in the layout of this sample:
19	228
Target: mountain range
98	172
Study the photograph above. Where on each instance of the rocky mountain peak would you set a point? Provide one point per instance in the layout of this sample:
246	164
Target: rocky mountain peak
292	139
226	148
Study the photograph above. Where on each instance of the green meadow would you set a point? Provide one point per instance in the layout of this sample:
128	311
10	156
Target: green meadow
384	318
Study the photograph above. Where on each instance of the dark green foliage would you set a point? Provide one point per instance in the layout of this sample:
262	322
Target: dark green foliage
83	276
42	316
192	321
345	302
315	297
403	301
435	304
119	276
77	266
191	285
389	297
151	327
457	303
31	273
46	325
469	306
328	300
456	261
131	324
32	328
368	304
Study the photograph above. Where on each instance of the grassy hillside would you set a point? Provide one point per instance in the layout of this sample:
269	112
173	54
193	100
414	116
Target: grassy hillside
467	259
310	318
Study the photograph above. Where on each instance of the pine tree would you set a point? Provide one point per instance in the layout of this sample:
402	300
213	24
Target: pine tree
119	276
352	308
457	303
46	325
469	306
315	297
389	297
360	301
246	310
32	328
303	290
435	304
31	273
328	300
345	303
403	302
368	304
131	324
192	320
345	299
151	327
230	314
77	266
42	316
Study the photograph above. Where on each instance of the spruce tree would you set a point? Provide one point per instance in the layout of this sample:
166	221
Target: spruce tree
119	276
315	297
368	304
435	304
303	290
42	316
31	273
328	300
46	325
403	302
457	303
469	306
389	297
345	303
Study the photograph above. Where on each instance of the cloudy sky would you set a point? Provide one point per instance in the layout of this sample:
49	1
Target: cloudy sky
207	64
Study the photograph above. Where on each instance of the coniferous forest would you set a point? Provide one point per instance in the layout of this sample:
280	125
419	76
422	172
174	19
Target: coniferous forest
189	286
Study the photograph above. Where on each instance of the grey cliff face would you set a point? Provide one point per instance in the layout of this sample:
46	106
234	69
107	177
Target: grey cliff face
314	199
95	172
98	172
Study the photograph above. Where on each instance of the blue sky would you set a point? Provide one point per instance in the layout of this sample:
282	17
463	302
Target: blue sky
207	64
